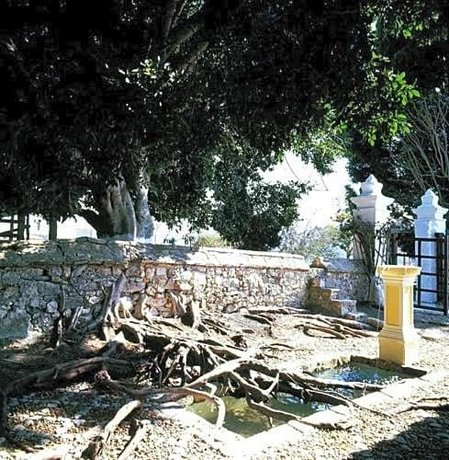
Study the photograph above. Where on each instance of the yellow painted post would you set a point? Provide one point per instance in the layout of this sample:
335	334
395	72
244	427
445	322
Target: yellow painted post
398	340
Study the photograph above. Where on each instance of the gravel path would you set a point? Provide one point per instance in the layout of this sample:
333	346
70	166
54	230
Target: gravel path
67	418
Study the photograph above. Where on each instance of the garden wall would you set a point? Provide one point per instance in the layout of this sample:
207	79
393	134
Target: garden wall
41	280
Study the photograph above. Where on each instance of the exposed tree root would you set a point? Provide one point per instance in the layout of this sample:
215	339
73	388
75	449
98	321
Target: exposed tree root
327	330
66	372
47	378
98	444
260	318
139	432
437	404
109	313
278	311
185	356
339	328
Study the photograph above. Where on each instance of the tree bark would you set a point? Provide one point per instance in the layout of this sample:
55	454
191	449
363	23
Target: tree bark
119	215
53	229
144	221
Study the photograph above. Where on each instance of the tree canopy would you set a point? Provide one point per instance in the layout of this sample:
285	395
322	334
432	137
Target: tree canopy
411	52
111	108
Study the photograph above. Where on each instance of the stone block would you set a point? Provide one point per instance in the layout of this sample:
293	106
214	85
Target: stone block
329	417
357	316
55	271
160	272
15	326
149	272
77	271
200	279
52	307
134	286
157	302
151	290
186	276
347	306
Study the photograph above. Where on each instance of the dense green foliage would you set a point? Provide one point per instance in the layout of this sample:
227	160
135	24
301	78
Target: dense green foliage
184	103
410	57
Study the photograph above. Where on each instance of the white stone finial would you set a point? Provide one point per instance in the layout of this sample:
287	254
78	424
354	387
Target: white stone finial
429	198
430	209
371	204
371	207
371	186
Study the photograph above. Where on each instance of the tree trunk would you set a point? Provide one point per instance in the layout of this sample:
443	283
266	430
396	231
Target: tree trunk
119	216
144	221
53	229
21	225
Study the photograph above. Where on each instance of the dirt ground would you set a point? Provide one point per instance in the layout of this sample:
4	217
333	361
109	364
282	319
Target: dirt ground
60	422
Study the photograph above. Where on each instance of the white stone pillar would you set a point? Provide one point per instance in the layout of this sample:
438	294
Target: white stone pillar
430	220
371	207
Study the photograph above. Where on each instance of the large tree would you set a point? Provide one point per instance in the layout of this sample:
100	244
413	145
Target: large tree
423	154
109	105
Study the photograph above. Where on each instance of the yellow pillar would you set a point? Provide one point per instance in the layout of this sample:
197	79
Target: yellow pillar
398	340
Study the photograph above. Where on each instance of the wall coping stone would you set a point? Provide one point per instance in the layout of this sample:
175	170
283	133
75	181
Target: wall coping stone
87	250
339	265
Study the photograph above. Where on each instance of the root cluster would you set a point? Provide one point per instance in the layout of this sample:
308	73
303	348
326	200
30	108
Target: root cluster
193	355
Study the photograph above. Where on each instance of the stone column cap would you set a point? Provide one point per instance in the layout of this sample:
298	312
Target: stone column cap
398	271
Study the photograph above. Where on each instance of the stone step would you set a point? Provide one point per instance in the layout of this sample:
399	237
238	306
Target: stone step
347	307
357	316
324	293
378	324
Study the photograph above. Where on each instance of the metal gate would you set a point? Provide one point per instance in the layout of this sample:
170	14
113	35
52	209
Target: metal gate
410	250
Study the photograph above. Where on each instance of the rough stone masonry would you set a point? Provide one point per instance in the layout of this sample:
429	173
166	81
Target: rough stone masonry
40	280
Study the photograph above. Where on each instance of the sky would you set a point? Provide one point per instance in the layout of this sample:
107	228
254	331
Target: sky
318	208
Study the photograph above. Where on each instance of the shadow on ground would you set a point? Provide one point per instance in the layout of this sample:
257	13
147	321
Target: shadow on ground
424	439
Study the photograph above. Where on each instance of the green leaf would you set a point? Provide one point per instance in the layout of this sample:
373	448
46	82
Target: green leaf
407	33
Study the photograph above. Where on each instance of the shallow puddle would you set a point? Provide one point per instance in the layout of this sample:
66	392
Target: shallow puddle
242	419
359	372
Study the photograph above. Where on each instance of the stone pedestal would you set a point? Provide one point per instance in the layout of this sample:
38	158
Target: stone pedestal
398	340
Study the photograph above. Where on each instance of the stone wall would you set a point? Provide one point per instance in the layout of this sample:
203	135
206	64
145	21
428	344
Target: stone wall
345	275
41	280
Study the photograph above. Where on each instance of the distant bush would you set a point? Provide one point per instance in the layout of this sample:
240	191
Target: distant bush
211	240
326	242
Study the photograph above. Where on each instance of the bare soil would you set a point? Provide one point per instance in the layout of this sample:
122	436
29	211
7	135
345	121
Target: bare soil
60	422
